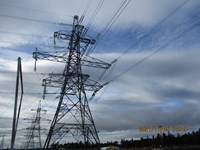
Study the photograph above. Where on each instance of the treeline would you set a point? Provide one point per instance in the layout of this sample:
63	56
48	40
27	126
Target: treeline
164	140
161	140
72	145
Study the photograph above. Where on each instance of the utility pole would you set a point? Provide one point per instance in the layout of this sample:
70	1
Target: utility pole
16	113
34	135
73	115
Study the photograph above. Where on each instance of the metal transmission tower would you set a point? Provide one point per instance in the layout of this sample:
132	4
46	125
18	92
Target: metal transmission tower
34	136
2	142
73	115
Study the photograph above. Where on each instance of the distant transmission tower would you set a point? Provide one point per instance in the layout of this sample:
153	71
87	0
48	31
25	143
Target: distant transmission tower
2	142
73	116
34	136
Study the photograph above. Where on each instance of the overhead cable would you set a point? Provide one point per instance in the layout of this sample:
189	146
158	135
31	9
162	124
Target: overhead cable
33	20
157	50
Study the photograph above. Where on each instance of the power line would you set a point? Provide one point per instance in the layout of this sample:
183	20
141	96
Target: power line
28	45
12	49
85	11
10	42
116	15
23	34
93	16
82	1
34	20
34	10
155	27
157	50
28	93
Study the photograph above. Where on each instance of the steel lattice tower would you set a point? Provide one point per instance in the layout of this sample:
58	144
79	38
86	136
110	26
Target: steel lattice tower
2	142
73	115
34	135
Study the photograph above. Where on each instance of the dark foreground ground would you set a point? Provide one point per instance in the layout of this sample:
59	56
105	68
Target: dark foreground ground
171	148
167	148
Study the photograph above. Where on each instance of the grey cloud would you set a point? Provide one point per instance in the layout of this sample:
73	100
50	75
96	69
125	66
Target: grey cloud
143	96
116	117
147	96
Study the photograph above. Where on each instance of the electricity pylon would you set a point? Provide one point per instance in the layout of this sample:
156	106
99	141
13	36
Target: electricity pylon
73	115
34	136
2	142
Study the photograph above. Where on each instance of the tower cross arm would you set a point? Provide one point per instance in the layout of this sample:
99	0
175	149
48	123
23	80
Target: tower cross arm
61	35
93	62
60	57
50	56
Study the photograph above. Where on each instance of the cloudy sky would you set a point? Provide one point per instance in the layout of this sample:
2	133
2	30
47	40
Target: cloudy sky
155	81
